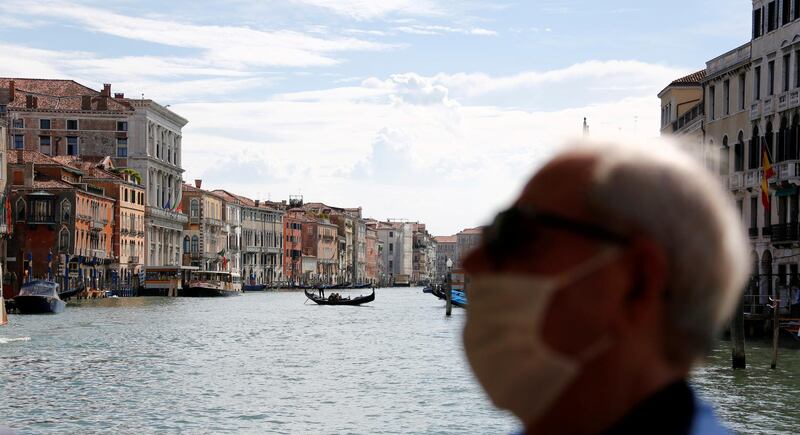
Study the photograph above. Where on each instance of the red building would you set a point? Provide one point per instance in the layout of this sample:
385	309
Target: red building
293	245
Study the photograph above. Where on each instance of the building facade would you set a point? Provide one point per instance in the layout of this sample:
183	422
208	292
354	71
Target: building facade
204	232
446	249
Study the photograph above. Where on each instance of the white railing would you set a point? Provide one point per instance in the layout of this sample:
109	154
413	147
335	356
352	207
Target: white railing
787	170
755	110
769	106
735	181
752	178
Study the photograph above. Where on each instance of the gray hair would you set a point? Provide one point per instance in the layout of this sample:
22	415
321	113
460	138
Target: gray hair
680	205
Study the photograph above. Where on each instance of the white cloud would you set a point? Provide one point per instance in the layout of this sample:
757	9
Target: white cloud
221	46
428	29
406	144
371	9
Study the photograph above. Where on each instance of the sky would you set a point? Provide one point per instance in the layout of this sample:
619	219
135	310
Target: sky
435	111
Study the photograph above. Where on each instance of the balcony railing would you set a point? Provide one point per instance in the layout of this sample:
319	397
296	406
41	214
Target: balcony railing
99	224
41	219
212	221
690	116
736	180
785	232
788	169
769	106
752	178
755	110
83	217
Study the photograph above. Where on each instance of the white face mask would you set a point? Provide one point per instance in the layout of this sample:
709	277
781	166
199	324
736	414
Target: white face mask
503	339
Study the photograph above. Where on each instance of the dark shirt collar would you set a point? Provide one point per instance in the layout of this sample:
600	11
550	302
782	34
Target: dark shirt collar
668	411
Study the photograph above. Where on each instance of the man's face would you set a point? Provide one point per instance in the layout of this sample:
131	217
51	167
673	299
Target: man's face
584	311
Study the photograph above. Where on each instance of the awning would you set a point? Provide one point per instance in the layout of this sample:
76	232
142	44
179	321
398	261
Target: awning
786	191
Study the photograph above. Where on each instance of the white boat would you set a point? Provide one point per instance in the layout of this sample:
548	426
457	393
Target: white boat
212	284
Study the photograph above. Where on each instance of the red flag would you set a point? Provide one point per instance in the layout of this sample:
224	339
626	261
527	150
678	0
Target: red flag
179	209
767	173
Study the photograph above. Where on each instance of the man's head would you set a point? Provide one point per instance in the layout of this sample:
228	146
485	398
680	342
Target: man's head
644	257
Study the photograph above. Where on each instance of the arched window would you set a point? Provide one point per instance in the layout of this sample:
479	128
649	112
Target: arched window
186	244
66	210
753	154
20	210
63	240
724	155
738	153
769	136
195	244
794	140
783	133
194	209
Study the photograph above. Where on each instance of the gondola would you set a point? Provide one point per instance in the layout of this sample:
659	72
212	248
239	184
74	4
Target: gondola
254	287
344	301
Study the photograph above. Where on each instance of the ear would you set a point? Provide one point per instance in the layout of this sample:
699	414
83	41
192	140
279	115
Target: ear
644	301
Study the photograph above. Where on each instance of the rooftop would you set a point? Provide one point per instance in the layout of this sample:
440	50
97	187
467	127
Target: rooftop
57	94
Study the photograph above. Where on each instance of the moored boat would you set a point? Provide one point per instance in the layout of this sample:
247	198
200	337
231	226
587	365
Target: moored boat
206	284
39	297
254	287
333	300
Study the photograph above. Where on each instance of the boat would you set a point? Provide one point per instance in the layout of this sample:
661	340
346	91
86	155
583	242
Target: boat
343	301
427	289
254	287
39	297
69	293
207	284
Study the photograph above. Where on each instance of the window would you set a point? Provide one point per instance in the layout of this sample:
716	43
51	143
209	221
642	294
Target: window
391	247
44	124
72	124
771	77
738	153
726	97
712	101
786	12
63	240
753	154
772	16
2	108
797	68
72	145
66	211
19	142
122	147
122	125
742	82
186	244
757	84
18	123
21	210
754	212
195	244
724	156
796	14
757	24
194	209
391	234
42	211
44	145
787	68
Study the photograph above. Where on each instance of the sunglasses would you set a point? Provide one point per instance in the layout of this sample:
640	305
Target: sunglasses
516	227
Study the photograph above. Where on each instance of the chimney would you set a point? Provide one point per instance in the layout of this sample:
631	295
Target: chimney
28	175
29	101
106	90
86	102
198	183
12	90
119	95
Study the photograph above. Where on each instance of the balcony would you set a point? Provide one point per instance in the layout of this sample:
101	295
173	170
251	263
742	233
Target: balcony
769	106
36	219
755	110
99	224
168	215
787	169
83	217
133	259
788	100
688	118
785	233
123	231
752	178
212	221
736	181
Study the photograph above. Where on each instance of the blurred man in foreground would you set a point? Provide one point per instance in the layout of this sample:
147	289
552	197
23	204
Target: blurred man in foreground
592	297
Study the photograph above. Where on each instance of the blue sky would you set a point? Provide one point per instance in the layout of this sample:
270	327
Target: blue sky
429	110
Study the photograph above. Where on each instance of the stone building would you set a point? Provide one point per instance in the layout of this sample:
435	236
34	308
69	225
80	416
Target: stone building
293	245
203	233
128	239
262	242
750	99
61	224
154	146
424	255
372	269
467	240
446	249
398	240
232	229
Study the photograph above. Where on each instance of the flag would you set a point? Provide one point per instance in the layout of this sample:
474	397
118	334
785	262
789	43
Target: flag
167	205
179	209
767	173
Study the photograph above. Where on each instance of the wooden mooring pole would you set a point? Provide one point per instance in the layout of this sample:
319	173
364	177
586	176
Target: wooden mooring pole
776	304
448	296
737	338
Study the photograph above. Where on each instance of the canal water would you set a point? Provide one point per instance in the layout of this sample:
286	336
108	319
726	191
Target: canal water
271	363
